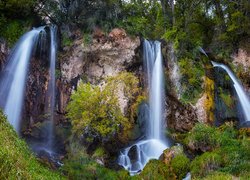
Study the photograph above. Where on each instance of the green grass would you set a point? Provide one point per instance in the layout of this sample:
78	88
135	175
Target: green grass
16	159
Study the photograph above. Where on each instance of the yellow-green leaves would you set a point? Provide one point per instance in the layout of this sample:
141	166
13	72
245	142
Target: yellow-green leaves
95	112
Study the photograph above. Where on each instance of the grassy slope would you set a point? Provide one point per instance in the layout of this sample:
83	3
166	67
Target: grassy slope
16	160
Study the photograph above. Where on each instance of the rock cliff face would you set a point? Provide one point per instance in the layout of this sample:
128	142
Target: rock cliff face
36	95
105	56
181	118
4	52
241	61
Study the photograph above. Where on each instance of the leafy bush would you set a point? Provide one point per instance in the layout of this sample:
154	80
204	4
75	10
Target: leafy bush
230	150
155	169
79	165
207	162
13	31
99	152
96	114
17	162
218	176
191	79
144	18
203	137
180	166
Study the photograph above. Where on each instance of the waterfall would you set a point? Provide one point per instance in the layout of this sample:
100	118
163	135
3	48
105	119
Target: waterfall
53	47
14	75
155	143
243	98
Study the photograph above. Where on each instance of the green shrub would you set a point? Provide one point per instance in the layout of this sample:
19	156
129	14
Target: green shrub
79	165
218	176
99	152
203	137
230	150
155	170
96	114
12	32
180	166
66	41
207	162
16	160
191	79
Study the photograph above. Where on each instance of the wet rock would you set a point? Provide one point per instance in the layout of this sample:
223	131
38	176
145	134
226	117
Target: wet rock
36	94
133	153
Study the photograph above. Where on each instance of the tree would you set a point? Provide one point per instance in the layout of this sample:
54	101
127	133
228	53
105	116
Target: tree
95	114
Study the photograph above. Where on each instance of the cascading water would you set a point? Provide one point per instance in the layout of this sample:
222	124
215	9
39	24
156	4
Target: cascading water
155	143
53	47
14	76
243	98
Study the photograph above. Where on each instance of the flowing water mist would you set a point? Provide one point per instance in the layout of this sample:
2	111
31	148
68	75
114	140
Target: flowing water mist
155	143
13	77
53	47
243	98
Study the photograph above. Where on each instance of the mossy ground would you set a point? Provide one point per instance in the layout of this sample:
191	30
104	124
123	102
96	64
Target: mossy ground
16	159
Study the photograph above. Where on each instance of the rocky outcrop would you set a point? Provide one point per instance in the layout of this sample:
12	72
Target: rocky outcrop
181	118
173	71
169	154
4	51
242	58
205	105
241	61
105	56
36	95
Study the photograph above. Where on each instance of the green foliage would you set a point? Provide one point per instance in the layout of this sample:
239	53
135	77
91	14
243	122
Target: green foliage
66	41
227	99
96	114
99	152
218	176
79	165
17	162
155	170
144	18
87	38
15	18
12	32
203	135
180	166
205	163
16	8
191	78
229	150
